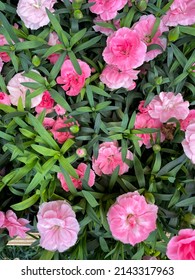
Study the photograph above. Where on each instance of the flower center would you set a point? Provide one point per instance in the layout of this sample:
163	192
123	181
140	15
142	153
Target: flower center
131	219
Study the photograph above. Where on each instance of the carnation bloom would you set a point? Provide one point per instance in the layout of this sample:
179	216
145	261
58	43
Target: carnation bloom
2	219
125	49
109	157
113	78
48	123
131	218
107	9
59	110
144	120
33	12
15	226
180	12
17	90
168	105
57	225
144	28
189	142
53	40
3	55
73	82
1	64
46	103
81	169
189	119
61	136
182	246
4	98
105	30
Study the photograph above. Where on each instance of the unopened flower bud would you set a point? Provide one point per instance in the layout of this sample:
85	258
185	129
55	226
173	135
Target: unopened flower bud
74	129
173	34
149	198
156	148
141	5
189	218
78	14
81	152
36	61
158	80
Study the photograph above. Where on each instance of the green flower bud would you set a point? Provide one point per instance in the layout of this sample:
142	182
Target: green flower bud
81	152
36	61
158	80
78	14
189	218
74	129
149	198
173	34
101	85
156	148
141	5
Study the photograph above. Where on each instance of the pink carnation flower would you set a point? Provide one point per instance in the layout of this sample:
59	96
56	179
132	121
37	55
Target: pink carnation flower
107	9
144	120
105	30
4	98
53	40
1	64
2	219
61	136
144	28
3	55
131	219
125	49
46	103
81	169
182	246
113	78
181	12
15	226
59	110
168	105
109	157
33	12
17	90
57	225
48	123
71	81
189	142
189	119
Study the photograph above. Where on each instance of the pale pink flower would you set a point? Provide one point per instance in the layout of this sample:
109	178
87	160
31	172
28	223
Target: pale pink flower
48	123
107	9
105	30
57	225
33	12
181	12
109	157
167	105
81	170
3	55
4	98
17	90
182	246
47	103
61	136
59	110
15	226
131	218
2	219
144	28
144	120
71	81
1	63
53	40
189	119
114	78
189	142
125	49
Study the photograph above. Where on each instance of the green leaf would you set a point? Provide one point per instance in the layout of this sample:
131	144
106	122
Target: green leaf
90	199
68	167
75	62
28	45
53	49
114	177
87	44
44	151
2	6
46	255
99	91
187	30
34	183
155	27
8	28
139	172
186	202
68	180
179	55
26	203
47	138
138	255
170	165
78	36
157	163
129	17
57	66
35	76
60	100
67	145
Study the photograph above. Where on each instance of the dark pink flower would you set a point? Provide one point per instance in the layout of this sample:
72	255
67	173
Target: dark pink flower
3	55
4	98
81	169
71	81
46	103
189	119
